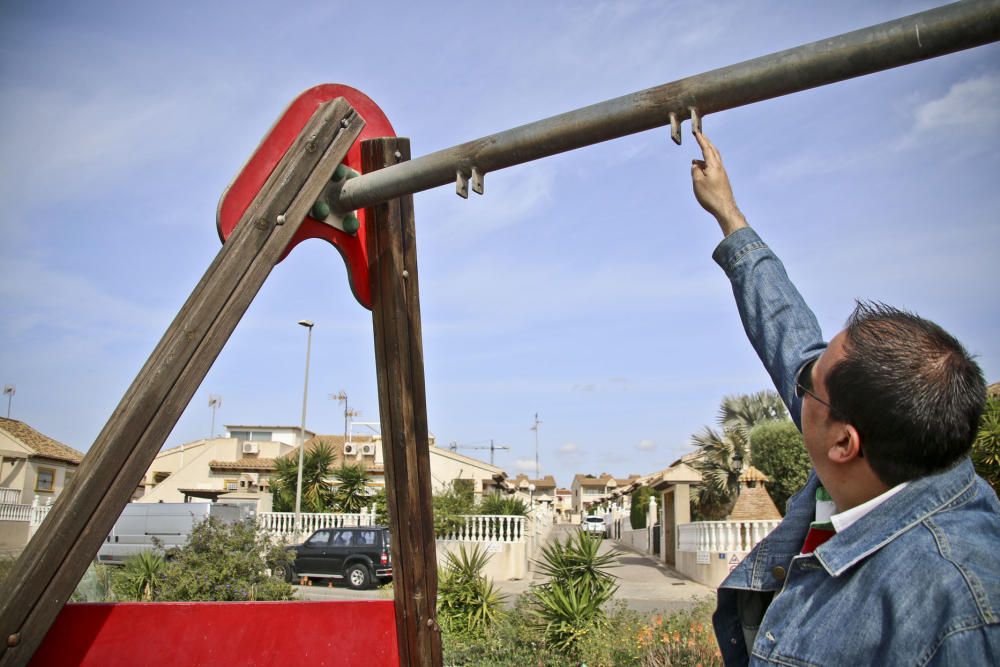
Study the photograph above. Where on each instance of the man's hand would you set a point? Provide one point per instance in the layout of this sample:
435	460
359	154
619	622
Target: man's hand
712	189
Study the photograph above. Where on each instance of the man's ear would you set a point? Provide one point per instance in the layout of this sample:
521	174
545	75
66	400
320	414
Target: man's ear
847	447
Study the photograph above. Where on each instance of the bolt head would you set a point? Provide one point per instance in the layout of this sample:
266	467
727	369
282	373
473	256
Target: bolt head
281	219
14	639
343	122
398	155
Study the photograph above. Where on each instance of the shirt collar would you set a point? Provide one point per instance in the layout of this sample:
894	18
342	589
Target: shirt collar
844	519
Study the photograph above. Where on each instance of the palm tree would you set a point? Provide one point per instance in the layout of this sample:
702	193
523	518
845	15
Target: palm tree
719	450
352	492
317	467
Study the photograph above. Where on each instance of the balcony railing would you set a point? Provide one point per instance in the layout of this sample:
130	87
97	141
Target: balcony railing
10	496
722	536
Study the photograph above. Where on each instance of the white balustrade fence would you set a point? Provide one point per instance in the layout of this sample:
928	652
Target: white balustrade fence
283	523
486	528
38	514
722	536
10	496
9	512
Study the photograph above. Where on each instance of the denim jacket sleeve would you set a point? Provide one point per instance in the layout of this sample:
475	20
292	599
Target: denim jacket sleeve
781	327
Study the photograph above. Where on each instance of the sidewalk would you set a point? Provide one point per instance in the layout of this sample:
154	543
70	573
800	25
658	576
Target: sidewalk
645	584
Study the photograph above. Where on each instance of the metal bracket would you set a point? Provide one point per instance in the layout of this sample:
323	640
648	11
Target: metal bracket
322	210
477	181
461	184
675	128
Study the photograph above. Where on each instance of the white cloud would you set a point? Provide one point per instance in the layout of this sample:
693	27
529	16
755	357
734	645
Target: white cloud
568	448
524	465
973	104
646	445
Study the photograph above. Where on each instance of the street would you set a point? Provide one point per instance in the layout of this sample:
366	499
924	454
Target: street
644	584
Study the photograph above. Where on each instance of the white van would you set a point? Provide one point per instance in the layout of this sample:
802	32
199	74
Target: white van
169	523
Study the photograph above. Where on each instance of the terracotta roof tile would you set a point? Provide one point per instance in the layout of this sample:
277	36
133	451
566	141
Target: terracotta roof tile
243	464
754	504
42	445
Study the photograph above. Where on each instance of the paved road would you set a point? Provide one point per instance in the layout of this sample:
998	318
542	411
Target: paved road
644	584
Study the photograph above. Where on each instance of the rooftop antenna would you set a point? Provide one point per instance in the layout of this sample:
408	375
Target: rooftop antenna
9	390
454	446
348	411
534	427
214	402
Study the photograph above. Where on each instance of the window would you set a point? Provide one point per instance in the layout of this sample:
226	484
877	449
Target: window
342	538
263	436
159	477
365	538
319	539
231	484
45	481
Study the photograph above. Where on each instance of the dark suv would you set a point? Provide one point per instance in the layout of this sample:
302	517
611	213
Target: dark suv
358	554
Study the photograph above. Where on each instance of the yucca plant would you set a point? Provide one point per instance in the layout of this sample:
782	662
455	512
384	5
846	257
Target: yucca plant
467	601
495	504
141	578
578	560
570	604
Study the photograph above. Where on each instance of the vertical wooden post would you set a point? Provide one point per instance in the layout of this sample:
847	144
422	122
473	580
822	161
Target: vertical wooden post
399	363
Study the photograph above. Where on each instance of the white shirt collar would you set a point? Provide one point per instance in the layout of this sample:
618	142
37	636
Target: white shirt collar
844	519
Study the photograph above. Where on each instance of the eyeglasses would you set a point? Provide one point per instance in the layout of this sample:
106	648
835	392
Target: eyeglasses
803	386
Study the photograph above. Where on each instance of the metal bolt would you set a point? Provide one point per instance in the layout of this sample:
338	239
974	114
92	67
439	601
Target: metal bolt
281	219
399	156
406	274
343	122
14	639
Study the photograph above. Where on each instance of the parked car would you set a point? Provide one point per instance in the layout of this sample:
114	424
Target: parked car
143	526
594	526
359	555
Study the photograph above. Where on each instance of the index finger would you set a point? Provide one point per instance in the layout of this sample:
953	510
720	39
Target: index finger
707	149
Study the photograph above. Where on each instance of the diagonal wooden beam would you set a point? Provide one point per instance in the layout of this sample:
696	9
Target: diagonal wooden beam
67	541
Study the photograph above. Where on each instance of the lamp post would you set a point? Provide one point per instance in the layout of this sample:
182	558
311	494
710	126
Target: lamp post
302	432
531	496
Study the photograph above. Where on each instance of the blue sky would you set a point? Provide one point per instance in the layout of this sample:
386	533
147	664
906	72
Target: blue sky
580	287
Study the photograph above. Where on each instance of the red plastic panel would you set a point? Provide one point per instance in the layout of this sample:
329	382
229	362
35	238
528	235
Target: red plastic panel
186	634
240	193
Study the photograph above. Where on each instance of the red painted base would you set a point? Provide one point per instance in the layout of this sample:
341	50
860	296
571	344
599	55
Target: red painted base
328	634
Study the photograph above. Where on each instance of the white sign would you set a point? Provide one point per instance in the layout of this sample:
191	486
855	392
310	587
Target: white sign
702	558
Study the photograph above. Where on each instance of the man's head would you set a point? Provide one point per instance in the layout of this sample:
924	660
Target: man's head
910	393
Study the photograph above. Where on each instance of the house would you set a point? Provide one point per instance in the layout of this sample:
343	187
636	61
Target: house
590	491
244	462
537	491
34	470
241	462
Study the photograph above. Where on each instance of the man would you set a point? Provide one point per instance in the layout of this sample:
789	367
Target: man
891	553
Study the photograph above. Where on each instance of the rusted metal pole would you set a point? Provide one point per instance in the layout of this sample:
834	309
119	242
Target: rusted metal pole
937	32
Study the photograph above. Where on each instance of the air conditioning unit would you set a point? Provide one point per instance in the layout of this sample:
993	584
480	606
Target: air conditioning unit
368	449
350	448
251	448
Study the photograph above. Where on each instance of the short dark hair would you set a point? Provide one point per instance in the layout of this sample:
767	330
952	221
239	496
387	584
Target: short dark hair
910	389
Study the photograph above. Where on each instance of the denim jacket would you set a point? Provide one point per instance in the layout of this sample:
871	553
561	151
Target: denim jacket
914	582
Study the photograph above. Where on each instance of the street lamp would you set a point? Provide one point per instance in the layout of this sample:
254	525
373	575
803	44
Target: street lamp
531	496
302	432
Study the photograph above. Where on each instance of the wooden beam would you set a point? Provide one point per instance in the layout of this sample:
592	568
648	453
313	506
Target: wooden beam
402	400
67	541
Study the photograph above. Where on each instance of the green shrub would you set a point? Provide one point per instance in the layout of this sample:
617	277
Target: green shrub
986	448
777	450
450	505
225	562
496	504
640	506
467	601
